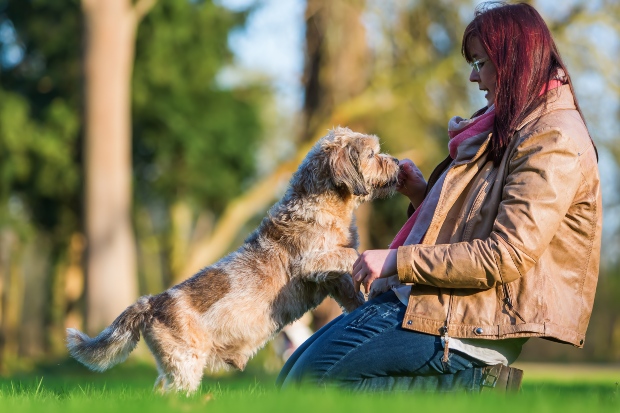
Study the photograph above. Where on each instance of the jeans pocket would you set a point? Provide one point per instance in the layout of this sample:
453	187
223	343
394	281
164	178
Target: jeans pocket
366	315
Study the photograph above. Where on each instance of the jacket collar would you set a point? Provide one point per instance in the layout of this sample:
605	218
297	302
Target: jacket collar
558	99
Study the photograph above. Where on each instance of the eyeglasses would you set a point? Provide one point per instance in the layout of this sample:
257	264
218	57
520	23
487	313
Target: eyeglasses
477	64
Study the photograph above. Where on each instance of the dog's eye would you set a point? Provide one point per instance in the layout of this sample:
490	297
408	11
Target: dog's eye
372	154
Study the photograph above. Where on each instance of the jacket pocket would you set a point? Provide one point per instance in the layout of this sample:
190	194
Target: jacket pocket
508	304
477	204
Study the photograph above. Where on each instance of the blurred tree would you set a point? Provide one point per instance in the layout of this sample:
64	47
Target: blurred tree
336	62
39	172
110	30
188	132
195	142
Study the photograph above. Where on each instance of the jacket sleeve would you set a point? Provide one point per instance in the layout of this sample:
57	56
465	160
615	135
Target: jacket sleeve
543	176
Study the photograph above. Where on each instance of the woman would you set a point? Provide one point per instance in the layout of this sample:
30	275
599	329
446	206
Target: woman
504	243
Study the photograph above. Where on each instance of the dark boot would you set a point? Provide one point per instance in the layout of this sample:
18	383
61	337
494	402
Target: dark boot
500	378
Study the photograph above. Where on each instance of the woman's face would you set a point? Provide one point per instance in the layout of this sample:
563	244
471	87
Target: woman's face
487	76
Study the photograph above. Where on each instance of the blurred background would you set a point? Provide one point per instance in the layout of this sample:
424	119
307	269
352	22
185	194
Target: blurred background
141	140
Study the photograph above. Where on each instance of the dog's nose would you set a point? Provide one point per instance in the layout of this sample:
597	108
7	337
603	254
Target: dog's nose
395	160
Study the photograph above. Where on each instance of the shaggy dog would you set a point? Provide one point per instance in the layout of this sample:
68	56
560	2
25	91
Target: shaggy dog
301	252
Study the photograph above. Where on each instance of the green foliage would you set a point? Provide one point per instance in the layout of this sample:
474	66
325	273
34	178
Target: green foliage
39	117
192	139
37	162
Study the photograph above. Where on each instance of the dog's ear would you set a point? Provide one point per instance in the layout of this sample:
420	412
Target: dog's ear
345	169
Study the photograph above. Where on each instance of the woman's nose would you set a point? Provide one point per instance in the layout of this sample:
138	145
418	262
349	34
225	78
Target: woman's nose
474	76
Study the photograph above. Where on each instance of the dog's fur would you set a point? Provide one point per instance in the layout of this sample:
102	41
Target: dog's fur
301	252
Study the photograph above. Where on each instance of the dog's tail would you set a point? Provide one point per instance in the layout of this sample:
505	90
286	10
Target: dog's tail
112	345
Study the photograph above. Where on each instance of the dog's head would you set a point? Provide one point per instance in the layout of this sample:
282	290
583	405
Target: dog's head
349	163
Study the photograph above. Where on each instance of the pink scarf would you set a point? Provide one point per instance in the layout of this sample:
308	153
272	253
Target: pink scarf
459	130
401	237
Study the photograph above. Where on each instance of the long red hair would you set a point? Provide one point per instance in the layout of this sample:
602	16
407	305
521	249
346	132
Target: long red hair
519	43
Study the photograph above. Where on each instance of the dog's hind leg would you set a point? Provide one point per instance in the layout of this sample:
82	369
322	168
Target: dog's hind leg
180	364
180	371
161	384
185	371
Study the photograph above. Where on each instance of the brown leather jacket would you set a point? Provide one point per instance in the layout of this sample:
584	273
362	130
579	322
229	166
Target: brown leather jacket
513	250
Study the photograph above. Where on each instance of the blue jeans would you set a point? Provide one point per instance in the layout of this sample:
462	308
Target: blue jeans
368	350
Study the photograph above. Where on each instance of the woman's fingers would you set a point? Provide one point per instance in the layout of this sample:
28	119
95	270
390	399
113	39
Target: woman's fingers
357	285
368	281
357	265
358	280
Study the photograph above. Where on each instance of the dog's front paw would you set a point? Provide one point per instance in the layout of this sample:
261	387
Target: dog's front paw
356	301
361	299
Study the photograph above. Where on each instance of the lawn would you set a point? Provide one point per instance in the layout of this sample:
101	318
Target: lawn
68	387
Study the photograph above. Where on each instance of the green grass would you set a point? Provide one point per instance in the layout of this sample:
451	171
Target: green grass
68	387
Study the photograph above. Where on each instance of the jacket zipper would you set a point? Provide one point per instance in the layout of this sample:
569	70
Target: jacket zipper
445	332
508	302
477	203
446	336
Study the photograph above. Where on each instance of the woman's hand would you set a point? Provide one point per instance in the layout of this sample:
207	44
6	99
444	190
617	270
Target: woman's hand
411	182
373	264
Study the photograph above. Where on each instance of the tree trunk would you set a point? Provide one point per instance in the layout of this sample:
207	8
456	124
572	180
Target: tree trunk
336	59
110	27
11	298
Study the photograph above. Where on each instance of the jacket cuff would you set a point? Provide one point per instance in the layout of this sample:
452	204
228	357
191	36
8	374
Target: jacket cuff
404	264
